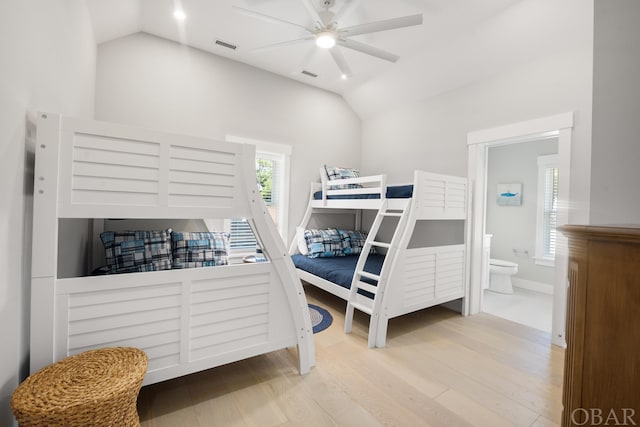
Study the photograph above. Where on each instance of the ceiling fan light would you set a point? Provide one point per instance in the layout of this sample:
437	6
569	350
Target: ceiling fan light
326	40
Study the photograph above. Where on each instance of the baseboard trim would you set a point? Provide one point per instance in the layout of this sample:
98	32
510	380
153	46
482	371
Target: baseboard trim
532	285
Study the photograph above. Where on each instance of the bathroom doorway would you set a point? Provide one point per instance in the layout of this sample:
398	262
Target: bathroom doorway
521	202
479	144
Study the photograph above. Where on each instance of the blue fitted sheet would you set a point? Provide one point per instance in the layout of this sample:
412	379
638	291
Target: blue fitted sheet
338	270
393	192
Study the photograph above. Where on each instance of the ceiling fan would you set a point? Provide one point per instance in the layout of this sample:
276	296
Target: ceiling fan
327	33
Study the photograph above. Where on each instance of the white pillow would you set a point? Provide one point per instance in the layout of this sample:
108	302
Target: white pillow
302	243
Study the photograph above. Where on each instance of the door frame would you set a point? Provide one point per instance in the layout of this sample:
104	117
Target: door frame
478	143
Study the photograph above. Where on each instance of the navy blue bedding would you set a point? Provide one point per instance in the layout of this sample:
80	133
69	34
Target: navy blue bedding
339	269
393	192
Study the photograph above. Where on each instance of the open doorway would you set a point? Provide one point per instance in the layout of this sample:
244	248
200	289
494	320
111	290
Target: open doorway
521	210
480	143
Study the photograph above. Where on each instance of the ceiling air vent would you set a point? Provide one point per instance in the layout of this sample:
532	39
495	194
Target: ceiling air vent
227	45
309	73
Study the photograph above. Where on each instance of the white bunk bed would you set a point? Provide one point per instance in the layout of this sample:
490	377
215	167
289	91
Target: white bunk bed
185	320
419	270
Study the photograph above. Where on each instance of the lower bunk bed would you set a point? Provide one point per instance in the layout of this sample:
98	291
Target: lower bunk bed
335	274
185	319
414	255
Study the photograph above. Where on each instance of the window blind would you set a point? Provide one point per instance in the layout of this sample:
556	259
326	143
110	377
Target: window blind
550	211
241	235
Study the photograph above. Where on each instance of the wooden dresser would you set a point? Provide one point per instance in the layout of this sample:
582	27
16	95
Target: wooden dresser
602	361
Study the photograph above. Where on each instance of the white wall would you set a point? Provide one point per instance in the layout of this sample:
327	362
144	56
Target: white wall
514	227
148	81
432	134
616	112
47	63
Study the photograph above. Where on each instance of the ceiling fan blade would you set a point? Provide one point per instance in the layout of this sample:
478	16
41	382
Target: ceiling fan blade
387	24
338	57
348	7
281	44
268	18
369	50
313	13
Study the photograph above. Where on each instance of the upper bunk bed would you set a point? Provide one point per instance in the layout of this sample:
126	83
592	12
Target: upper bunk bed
414	255
186	319
357	192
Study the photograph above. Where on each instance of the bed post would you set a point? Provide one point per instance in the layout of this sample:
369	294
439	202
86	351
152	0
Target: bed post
466	303
44	244
324	185
273	247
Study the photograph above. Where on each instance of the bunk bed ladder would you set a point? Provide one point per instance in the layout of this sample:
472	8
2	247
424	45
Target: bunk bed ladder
357	300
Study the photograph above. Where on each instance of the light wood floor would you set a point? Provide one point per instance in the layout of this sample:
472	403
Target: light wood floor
438	369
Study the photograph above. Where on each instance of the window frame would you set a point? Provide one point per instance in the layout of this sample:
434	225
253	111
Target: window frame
278	152
544	162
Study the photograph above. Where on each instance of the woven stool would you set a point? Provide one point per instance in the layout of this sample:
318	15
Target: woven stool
94	388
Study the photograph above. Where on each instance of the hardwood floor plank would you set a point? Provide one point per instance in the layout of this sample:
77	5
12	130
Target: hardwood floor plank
504	349
471	411
398	403
525	389
291	393
496	401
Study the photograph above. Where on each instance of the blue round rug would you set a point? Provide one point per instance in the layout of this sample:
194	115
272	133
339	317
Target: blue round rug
320	318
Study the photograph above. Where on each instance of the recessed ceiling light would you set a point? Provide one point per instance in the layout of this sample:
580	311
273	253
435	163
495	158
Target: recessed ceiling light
179	15
344	77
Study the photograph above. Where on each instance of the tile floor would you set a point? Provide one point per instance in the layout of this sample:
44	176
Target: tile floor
524	306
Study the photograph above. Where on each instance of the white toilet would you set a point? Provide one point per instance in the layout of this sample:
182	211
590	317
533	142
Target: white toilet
500	273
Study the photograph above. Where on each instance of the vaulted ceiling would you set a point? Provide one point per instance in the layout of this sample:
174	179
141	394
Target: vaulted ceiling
458	41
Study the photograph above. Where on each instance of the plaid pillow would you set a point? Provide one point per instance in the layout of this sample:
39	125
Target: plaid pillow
324	243
134	251
353	241
199	249
335	173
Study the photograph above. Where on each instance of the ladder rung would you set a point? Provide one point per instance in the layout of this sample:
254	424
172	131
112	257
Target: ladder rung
369	275
391	214
381	244
367	287
361	307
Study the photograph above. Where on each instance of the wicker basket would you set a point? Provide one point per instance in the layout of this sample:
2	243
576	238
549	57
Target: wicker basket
94	388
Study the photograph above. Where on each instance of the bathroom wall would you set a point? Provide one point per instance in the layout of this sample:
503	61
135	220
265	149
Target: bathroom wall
514	227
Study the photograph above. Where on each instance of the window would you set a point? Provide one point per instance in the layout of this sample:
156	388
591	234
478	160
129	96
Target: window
272	177
547	210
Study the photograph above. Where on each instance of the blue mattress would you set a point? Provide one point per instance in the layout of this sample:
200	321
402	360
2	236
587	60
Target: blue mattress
338	270
393	192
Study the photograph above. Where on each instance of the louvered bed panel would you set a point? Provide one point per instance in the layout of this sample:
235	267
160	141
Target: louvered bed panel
201	177
196	316
114	171
440	196
228	314
137	176
428	276
135	312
